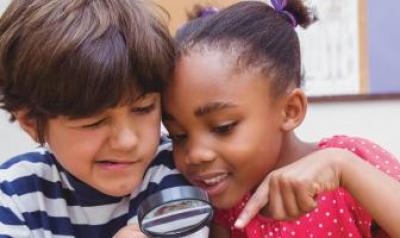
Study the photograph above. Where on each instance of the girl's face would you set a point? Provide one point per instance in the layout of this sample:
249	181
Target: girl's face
109	151
225	126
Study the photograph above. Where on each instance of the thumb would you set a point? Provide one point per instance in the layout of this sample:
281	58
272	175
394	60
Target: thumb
257	201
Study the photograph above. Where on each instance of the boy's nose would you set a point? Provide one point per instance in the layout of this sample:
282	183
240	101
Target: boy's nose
198	154
123	138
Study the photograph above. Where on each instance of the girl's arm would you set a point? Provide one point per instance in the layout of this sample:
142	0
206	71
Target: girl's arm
295	186
377	192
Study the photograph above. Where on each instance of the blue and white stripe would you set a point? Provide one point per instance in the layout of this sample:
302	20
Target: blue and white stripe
38	198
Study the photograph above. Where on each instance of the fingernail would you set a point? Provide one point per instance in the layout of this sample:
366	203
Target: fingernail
239	223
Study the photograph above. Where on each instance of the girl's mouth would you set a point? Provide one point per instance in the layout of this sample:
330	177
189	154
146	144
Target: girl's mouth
213	184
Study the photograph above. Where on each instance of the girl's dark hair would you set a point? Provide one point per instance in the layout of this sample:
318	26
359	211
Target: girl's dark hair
196	18
78	57
258	36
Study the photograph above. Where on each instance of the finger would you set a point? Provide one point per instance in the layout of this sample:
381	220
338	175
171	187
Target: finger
305	199
257	201
275	204
289	199
130	231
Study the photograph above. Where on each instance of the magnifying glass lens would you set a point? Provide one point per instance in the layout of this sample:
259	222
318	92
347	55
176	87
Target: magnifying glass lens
176	217
175	212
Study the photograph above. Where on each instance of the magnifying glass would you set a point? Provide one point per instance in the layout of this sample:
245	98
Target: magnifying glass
175	212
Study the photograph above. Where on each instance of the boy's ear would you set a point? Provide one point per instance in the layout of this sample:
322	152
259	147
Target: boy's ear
294	110
26	123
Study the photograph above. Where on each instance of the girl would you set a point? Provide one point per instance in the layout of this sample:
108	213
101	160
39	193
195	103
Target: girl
231	110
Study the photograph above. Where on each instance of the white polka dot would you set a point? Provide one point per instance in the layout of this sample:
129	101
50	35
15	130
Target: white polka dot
362	142
329	233
334	201
293	233
311	235
320	225
386	162
284	228
377	156
378	166
276	229
271	233
297	222
350	235
388	171
350	220
341	210
335	220
323	198
353	149
327	214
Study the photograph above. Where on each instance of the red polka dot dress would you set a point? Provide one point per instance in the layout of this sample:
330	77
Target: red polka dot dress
337	214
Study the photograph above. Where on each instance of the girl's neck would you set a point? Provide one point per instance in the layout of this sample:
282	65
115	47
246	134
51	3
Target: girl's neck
294	149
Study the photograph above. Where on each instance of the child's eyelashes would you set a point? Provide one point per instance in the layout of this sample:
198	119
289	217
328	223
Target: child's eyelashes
95	124
224	129
144	109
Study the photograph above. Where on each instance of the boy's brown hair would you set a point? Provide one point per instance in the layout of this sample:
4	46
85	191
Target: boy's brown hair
77	57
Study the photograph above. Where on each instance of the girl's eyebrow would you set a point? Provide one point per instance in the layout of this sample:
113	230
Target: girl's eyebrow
212	107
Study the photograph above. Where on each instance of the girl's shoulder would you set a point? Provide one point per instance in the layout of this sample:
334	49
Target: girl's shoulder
366	150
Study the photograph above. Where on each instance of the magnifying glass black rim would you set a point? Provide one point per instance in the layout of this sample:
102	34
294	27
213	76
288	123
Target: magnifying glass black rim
183	193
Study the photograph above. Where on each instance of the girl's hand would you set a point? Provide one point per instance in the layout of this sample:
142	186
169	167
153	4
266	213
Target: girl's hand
290	191
130	231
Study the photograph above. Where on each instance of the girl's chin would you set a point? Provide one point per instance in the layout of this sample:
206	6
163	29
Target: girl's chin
226	202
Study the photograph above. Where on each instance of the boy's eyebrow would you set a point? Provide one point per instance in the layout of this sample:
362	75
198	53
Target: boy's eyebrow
212	107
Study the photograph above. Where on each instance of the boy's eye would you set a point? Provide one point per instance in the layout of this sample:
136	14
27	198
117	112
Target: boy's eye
177	138
225	128
94	124
144	109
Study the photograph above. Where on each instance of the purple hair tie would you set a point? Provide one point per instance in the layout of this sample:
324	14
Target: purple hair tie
279	6
208	11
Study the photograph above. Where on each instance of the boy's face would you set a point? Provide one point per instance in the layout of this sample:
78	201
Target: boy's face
109	151
225	126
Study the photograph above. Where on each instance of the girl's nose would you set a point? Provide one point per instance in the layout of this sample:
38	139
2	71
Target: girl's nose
198	154
123	138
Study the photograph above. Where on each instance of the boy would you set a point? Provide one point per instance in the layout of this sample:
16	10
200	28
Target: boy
82	78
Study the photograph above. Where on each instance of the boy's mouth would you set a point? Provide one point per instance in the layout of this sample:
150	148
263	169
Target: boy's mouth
114	165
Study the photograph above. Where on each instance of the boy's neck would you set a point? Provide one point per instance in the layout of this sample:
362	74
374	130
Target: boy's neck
294	149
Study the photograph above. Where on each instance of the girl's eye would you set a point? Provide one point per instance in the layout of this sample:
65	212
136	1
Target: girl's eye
178	138
145	109
94	124
224	129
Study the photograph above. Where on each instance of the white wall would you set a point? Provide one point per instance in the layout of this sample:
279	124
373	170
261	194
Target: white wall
3	5
375	120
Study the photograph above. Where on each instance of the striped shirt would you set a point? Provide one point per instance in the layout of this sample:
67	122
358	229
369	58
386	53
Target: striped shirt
38	198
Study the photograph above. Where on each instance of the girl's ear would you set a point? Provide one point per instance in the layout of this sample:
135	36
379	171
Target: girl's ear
294	110
27	124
